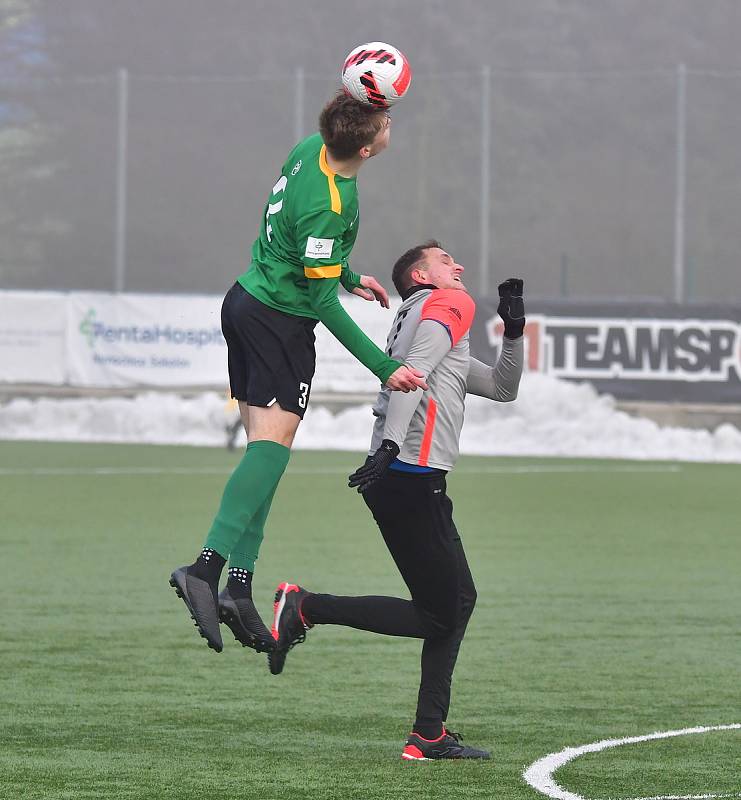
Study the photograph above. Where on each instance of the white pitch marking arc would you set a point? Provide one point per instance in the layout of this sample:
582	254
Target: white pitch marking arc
687	797
540	774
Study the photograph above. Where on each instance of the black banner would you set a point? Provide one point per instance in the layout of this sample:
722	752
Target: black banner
666	353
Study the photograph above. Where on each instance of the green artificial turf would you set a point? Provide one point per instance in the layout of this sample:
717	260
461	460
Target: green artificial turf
609	606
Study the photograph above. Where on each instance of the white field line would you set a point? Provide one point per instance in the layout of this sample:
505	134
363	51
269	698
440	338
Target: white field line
540	774
687	797
532	469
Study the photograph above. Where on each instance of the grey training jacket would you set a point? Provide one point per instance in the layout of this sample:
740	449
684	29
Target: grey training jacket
431	333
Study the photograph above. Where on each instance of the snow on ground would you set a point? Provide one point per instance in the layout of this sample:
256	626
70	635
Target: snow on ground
550	418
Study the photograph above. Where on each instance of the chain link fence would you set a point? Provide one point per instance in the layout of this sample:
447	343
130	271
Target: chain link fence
618	184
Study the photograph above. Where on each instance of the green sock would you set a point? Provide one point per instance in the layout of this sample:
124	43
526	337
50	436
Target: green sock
252	482
244	553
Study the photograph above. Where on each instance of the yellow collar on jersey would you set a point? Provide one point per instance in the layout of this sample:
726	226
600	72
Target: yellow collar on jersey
334	192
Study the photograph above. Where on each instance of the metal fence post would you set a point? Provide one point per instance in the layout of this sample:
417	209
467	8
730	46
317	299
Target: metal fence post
484	219
564	275
121	174
298	129
680	185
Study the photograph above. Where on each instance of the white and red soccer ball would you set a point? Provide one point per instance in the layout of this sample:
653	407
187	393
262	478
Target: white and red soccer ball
376	74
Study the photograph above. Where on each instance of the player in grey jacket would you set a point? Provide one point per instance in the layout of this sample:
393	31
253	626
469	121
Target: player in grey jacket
414	444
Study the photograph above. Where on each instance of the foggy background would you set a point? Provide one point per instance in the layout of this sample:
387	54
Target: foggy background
564	170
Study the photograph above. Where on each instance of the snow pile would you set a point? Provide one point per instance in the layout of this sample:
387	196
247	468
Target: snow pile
550	418
149	418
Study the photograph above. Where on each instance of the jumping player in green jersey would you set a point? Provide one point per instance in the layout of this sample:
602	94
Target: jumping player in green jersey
268	317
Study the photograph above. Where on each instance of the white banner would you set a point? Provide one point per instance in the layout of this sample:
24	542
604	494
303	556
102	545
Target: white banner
149	340
32	337
106	340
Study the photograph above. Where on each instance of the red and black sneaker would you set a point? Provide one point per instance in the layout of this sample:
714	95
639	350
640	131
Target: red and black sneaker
447	745
289	626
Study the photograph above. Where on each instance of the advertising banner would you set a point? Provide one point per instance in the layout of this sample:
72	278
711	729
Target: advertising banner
148	340
32	337
663	353
132	340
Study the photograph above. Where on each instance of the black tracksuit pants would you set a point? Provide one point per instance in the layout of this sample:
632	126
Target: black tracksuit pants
415	517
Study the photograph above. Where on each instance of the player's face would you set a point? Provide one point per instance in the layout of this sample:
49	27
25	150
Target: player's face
381	140
441	270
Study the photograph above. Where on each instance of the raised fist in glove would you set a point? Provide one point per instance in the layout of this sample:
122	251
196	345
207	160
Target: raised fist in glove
511	308
375	466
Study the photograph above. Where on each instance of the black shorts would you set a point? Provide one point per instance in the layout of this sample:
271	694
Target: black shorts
271	354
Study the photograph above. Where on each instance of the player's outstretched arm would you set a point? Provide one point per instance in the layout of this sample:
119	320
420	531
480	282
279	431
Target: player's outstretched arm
502	382
367	287
323	298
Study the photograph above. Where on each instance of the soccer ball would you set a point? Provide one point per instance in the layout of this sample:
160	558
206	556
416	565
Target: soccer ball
376	74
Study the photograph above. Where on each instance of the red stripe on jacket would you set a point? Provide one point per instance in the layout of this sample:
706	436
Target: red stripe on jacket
424	450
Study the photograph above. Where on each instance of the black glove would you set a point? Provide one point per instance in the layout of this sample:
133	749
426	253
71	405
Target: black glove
511	308
374	467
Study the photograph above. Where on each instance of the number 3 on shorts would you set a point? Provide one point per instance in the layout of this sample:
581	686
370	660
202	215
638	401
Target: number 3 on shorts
303	389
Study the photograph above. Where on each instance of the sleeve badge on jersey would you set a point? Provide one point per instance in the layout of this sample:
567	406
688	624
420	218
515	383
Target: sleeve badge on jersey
318	248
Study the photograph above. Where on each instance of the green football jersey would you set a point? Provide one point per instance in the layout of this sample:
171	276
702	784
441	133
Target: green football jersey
308	231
